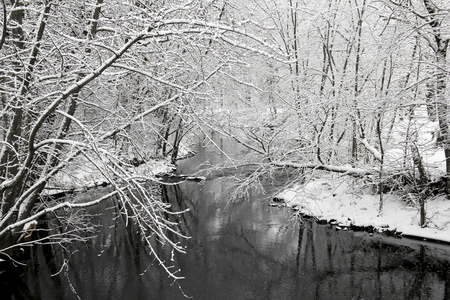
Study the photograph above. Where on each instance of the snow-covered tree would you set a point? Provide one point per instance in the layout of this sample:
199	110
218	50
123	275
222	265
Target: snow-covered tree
88	84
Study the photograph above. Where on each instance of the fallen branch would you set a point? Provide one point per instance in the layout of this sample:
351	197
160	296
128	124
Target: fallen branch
339	169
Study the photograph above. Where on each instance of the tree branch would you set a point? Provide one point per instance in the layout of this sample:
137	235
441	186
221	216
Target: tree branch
56	207
4	27
338	169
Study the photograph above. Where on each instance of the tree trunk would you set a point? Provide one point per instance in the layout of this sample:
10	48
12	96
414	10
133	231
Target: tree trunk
440	49
442	107
423	181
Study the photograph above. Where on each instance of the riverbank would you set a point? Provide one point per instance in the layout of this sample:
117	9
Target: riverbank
83	175
340	200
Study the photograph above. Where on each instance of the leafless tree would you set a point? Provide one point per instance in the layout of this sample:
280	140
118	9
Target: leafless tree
84	84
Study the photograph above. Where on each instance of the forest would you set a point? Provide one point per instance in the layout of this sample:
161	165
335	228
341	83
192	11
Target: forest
100	91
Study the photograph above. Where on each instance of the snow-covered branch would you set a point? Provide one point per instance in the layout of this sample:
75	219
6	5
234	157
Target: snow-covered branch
371	149
66	204
53	106
339	169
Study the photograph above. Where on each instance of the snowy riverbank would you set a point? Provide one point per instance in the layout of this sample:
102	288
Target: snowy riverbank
82	175
335	198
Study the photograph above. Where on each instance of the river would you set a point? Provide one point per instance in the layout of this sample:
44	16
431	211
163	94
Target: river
238	250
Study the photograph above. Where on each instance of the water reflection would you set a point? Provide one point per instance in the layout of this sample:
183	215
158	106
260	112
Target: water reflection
239	250
250	251
243	250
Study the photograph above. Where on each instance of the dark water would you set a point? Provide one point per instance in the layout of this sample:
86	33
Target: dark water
238	250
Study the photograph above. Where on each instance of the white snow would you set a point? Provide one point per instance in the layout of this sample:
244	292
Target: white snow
83	174
339	198
345	199
30	224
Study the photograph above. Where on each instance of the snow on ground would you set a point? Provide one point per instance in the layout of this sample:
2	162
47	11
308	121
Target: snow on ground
335	198
83	174
421	133
342	198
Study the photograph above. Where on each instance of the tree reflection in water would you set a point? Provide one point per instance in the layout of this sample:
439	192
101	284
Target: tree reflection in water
239	250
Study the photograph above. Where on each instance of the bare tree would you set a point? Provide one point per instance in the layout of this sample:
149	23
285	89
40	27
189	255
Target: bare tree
84	83
357	75
427	18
